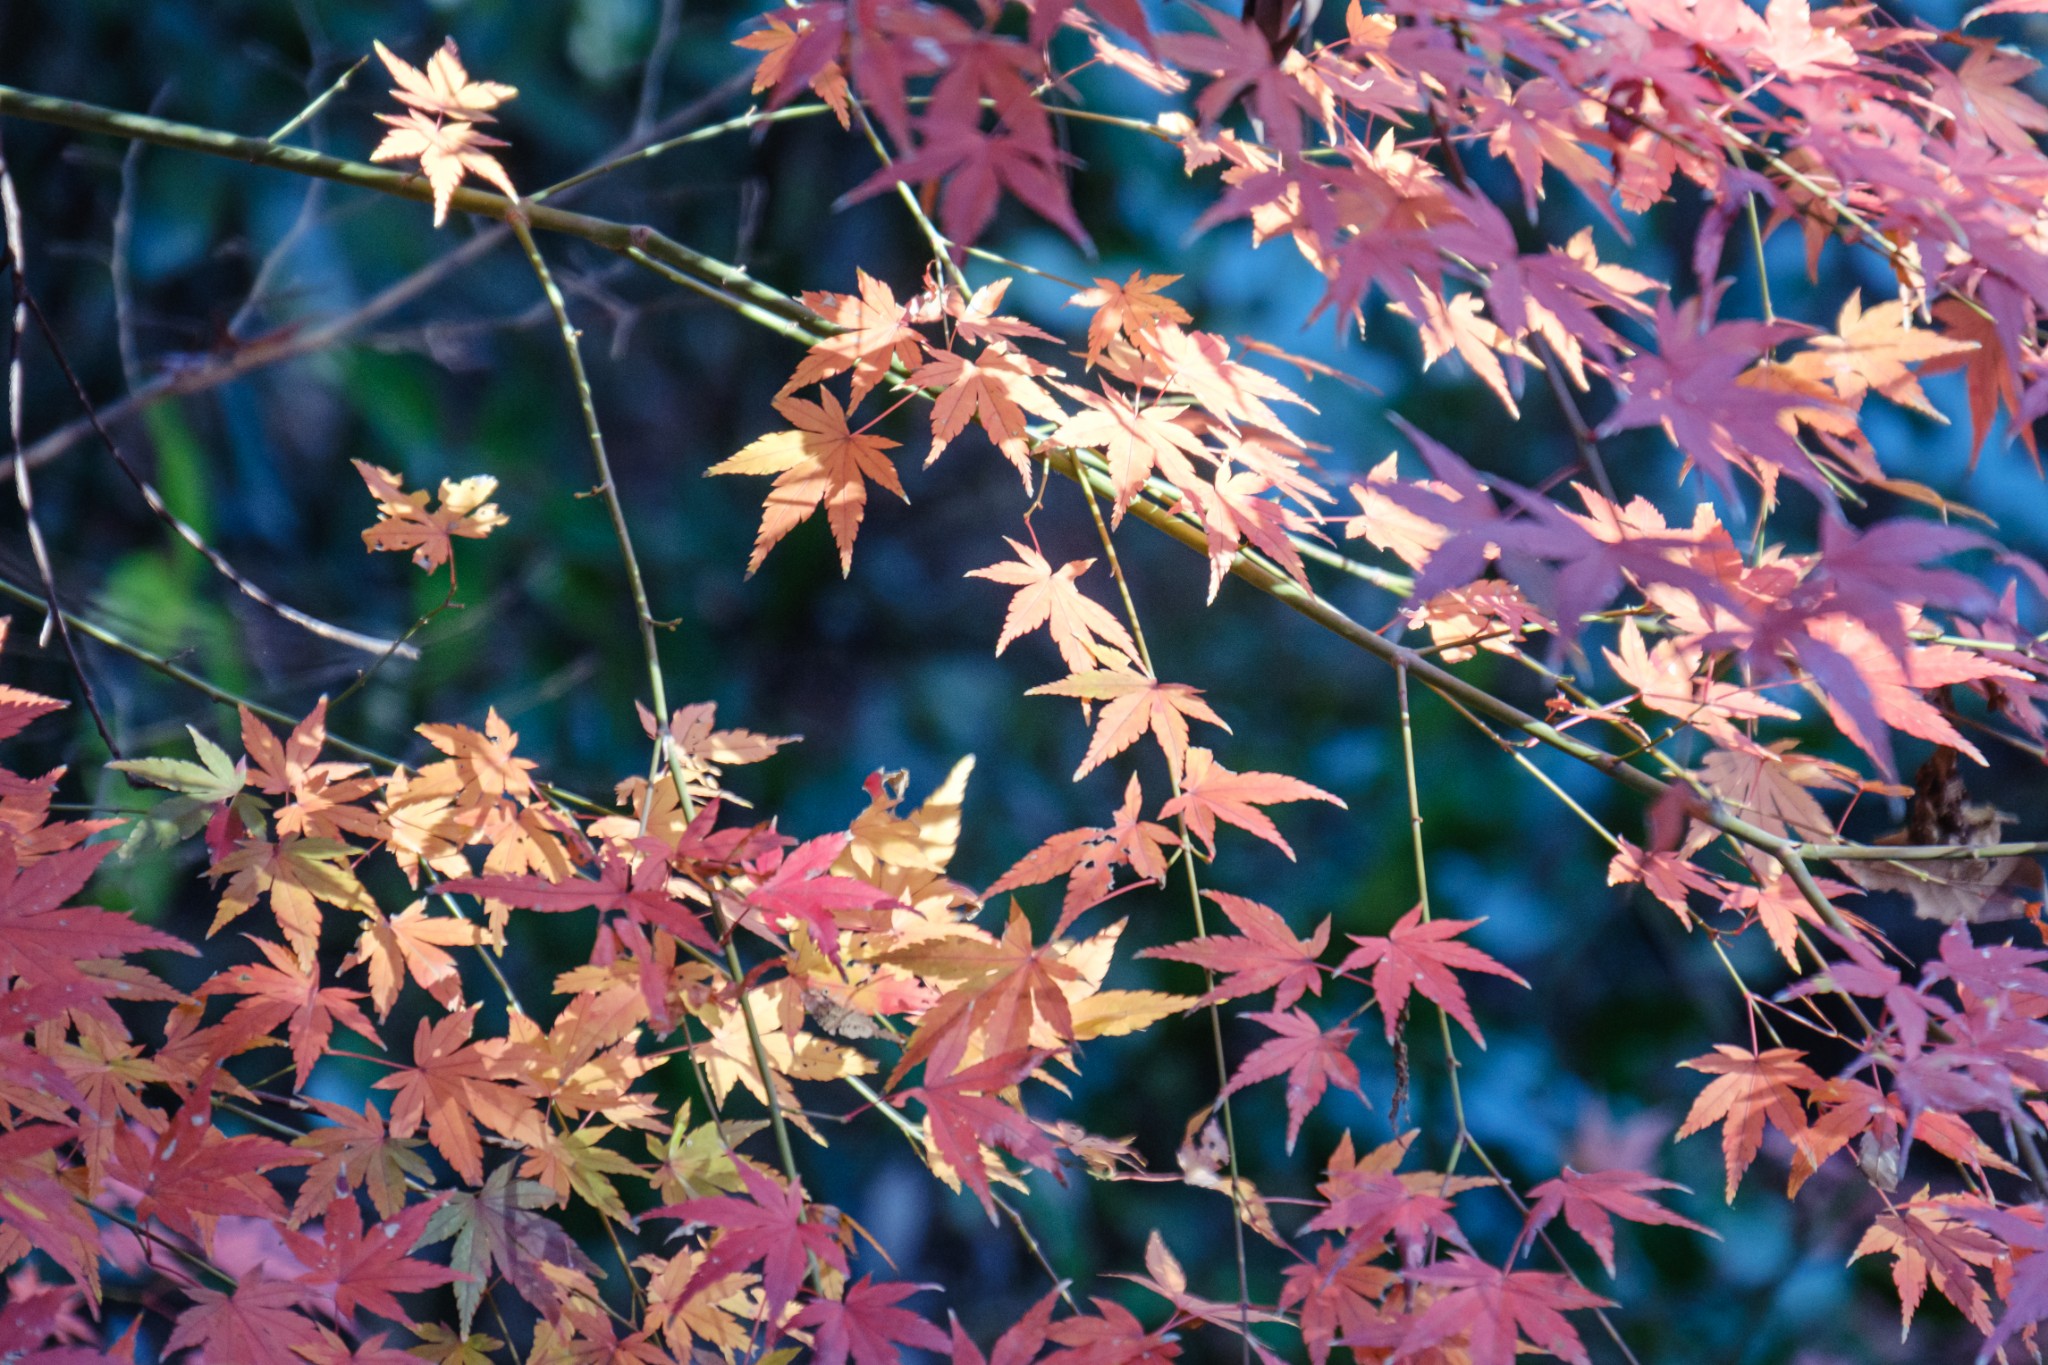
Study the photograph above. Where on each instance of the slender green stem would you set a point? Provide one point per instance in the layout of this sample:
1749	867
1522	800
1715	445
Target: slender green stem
608	492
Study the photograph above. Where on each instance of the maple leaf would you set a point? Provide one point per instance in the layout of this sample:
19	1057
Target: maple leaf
1135	441
191	1175
769	1228
967	1114
331	1349
283	991
43	940
447	152
1019	1344
1991	362
1751	1089
1495	1310
357	1153
496	1231
1266	956
248	1326
448	1088
1421	955
997	388
1211	792
1111	1335
440	1346
821	462
17	707
800	890
1052	598
1872	350
38	1210
297	874
1003	989
404	523
1590	1201
637	889
411	943
1688	387
876	333
867	1325
444	89
1134	309
801	53
1928	1241
367	1270
1089	857
1311	1057
1890	684
1135	703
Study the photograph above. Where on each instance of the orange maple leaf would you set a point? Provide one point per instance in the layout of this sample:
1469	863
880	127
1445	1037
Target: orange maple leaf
1134	308
1752	1089
440	128
1051	598
404	523
448	1088
1137	702
877	332
998	387
822	461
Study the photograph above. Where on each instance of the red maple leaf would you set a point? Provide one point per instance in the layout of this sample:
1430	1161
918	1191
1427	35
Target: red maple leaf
1051	598
367	1270
767	1228
1310	1056
1421	954
800	891
636	887
1018	1345
1089	857
42	940
1111	1335
1751	1089
257	1324
191	1175
1494	1310
1210	792
1588	1199
1930	1241
1264	955
284	991
867	1325
967	1114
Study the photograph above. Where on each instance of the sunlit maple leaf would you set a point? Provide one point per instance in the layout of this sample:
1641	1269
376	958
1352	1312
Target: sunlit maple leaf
1750	1089
1135	703
876	333
867	1326
404	523
800	890
297	875
1421	955
1112	1333
1590	1202
448	151
1052	598
444	89
1495	1310
413	943
1134	310
1872	350
1002	990
821	462
448	1088
366	1270
1089	857
1892	686
191	1175
771	1228
1135	441
1210	792
1264	956
998	388
1310	1056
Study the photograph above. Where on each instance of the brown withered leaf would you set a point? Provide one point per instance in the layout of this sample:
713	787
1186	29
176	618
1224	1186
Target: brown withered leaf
1973	889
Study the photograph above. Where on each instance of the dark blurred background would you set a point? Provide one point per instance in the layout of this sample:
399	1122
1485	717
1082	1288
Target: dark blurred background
153	261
